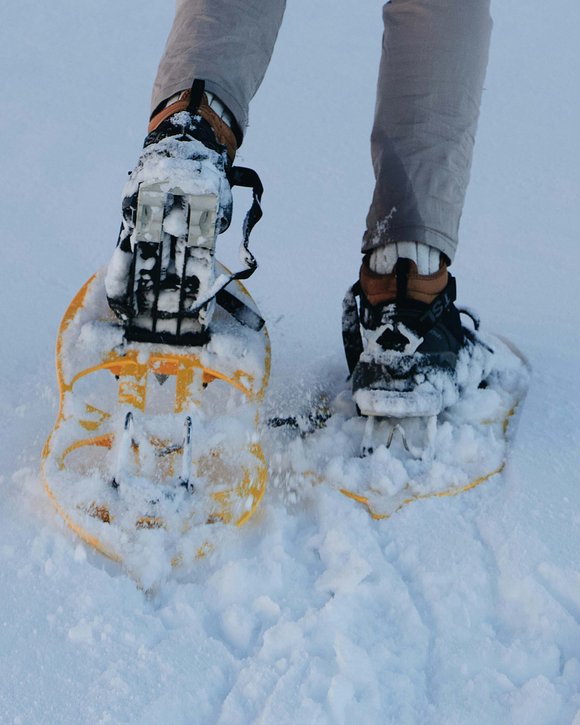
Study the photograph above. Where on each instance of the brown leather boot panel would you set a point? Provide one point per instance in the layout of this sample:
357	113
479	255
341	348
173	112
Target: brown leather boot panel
381	288
223	132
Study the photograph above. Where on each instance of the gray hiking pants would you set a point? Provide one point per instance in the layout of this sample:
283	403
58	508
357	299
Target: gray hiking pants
429	92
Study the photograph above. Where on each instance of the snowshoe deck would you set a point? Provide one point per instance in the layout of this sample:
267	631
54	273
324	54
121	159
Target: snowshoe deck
155	445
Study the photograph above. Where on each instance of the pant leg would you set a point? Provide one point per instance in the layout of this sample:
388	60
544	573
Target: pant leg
431	78
226	43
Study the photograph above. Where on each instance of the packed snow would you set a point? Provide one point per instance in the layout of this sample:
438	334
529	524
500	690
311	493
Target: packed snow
453	610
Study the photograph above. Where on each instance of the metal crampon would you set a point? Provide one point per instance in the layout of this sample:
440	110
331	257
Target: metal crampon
389	431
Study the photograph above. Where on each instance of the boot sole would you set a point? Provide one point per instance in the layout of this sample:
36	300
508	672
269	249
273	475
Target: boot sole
397	404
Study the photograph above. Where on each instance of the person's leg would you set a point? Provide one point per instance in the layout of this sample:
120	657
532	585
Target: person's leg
226	43
429	92
162	281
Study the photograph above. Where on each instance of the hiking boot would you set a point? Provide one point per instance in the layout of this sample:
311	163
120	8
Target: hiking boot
405	362
160	281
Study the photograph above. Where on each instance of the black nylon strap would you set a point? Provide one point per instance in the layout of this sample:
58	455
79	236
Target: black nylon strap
351	337
402	269
239	310
197	91
437	308
248	178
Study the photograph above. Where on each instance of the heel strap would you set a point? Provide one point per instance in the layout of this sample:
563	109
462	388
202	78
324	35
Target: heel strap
194	100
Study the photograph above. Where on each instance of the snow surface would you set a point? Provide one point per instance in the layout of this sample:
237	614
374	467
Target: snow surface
461	610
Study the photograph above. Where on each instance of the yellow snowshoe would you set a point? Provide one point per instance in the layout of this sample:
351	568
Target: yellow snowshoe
156	445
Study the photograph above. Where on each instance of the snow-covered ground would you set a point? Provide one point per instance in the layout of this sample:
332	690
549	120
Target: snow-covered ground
460	610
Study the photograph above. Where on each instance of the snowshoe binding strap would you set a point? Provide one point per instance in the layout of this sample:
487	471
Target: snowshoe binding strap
351	337
248	178
239	310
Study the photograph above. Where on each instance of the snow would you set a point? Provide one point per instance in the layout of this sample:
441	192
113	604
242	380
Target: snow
455	610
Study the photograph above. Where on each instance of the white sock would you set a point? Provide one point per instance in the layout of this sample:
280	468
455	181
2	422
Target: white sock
427	259
219	108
